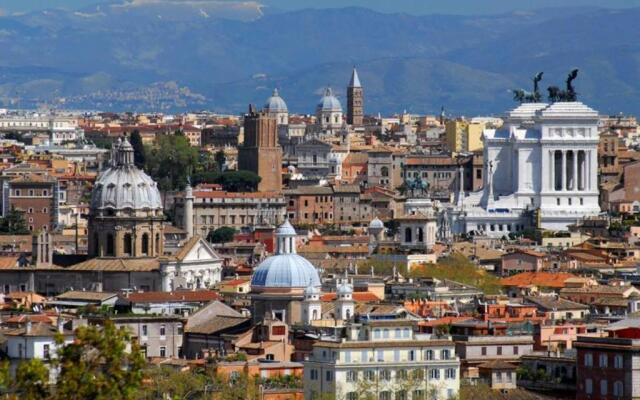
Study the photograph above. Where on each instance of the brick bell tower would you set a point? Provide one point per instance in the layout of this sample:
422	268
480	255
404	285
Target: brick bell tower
355	100
260	152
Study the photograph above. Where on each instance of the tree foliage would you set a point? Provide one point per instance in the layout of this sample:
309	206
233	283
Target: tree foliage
232	181
13	223
171	161
223	234
138	149
102	363
220	159
458	268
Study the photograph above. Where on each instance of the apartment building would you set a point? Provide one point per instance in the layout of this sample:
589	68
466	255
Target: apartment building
384	360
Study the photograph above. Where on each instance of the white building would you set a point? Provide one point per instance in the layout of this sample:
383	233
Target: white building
34	340
62	128
329	112
384	360
540	171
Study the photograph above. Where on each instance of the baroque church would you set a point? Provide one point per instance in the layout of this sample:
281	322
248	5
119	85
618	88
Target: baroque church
126	242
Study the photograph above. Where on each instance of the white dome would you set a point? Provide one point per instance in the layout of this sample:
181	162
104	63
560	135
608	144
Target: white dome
312	291
275	103
376	223
286	229
344	288
329	102
125	186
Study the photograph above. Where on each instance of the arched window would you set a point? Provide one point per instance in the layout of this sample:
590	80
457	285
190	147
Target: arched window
407	235
157	247
126	245
384	171
314	315
348	314
420	235
145	244
110	244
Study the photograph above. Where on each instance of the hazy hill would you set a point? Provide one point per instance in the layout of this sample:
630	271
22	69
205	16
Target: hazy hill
176	56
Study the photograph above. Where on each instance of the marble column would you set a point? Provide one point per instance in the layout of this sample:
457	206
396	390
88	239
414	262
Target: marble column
574	173
564	170
552	165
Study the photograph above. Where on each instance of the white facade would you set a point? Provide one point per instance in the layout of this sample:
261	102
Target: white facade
543	162
62	128
384	360
200	268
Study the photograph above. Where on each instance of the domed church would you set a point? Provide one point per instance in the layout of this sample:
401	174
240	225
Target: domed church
278	284
126	218
126	237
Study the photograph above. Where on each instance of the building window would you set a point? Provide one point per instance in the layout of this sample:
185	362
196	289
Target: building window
557	201
110	244
352	376
618	389
370	375
386	395
434	374
418	394
145	244
450	373
515	350
385	375
445	354
144	330
127	245
328	376
588	386
581	201
401	375
418	374
617	361
603	387
313	374
428	355
401	395
162	331
499	350
46	351
603	361
483	351
163	351
352	396
588	360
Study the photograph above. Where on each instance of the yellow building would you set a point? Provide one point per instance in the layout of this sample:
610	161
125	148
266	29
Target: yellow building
464	136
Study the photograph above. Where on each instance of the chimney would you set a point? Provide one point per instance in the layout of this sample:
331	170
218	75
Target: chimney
60	324
28	328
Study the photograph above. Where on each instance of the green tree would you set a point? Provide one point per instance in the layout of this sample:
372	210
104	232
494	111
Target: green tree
220	159
102	363
32	380
239	181
167	382
13	223
171	161
223	234
138	149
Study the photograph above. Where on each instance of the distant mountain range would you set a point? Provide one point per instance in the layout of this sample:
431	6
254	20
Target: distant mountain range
177	56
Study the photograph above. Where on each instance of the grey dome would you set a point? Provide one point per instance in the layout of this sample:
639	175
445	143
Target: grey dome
275	103
123	185
329	102
344	288
285	271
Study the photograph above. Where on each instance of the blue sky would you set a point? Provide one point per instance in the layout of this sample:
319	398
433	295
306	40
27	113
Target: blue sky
408	6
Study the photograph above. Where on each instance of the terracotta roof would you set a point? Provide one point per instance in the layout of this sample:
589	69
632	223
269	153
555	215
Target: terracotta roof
235	282
357	296
216	324
23	318
198	296
8	262
528	252
117	264
550	303
37	329
496	364
546	279
217	194
85	296
356	158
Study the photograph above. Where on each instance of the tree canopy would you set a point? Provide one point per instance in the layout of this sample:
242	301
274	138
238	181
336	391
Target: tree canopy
232	181
171	161
223	234
138	149
13	223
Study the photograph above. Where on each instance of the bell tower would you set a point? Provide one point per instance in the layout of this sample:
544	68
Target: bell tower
355	99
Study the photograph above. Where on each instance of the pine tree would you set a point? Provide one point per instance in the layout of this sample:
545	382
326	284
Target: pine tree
138	149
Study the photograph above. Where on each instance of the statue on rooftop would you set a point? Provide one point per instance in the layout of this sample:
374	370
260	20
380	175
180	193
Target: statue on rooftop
523	96
570	94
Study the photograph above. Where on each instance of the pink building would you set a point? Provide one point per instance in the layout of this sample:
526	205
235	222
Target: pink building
522	260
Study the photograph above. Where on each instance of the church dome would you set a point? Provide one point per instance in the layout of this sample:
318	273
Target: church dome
329	102
125	186
286	269
275	103
376	223
344	288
